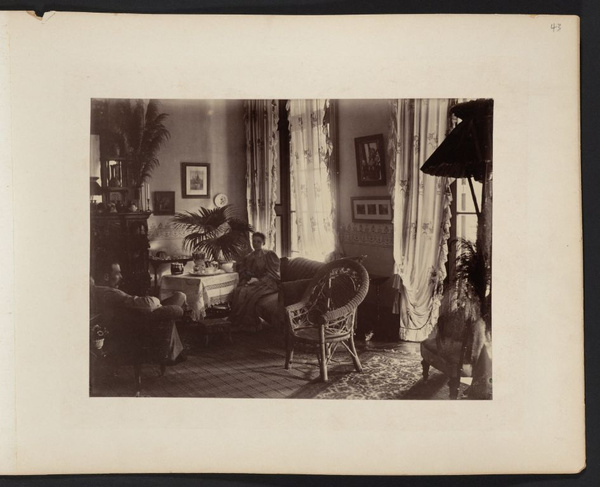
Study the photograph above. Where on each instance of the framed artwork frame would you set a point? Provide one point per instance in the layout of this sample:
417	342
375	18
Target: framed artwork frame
370	160
371	209
164	202
195	180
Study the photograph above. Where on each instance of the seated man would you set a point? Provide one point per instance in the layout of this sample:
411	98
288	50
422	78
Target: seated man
111	301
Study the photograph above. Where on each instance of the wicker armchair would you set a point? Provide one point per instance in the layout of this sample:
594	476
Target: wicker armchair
326	315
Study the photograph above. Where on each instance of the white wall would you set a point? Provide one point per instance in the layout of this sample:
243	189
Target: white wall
207	131
359	118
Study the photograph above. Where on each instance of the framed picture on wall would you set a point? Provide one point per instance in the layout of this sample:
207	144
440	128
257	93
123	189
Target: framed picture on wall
370	160
371	209
195	180
164	203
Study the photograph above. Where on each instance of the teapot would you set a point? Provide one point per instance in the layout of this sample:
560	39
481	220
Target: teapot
199	262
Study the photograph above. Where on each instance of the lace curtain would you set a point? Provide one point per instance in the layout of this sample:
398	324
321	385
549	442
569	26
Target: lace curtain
312	203
262	165
421	214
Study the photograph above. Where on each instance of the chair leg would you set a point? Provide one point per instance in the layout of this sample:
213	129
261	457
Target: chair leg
137	372
425	366
289	352
323	356
453	385
355	358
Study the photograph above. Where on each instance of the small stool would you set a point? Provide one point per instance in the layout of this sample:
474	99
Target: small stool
216	326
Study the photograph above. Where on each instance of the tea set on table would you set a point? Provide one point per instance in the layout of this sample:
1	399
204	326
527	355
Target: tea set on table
202	267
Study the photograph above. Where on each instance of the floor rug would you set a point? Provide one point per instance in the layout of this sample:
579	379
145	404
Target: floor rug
389	374
436	388
386	375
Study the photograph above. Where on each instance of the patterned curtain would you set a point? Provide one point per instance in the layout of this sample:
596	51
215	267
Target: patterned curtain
312	201
421	214
262	165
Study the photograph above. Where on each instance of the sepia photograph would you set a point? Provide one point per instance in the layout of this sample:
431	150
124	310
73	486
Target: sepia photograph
370	160
164	203
378	209
195	180
278	246
286	291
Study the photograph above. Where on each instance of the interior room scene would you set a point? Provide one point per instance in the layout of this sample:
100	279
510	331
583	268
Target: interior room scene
307	249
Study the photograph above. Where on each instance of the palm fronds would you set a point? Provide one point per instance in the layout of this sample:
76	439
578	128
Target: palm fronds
471	269
214	232
142	133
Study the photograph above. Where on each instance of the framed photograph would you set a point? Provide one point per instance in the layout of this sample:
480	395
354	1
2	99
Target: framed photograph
370	160
195	180
374	209
164	203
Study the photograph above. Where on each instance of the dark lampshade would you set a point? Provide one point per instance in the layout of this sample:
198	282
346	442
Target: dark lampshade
466	150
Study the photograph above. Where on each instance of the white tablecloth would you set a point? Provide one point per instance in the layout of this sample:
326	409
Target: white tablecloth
201	291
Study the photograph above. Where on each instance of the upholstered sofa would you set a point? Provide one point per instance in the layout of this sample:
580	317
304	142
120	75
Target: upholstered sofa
295	275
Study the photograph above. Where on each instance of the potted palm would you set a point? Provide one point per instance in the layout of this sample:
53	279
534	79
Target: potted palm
216	233
472	275
141	133
132	134
472	295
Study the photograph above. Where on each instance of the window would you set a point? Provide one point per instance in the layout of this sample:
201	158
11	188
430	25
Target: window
464	212
285	222
464	217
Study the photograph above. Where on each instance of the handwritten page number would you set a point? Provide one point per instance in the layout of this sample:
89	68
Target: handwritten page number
555	27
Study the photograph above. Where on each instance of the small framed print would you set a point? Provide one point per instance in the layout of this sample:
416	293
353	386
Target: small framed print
164	203
374	209
370	160
195	180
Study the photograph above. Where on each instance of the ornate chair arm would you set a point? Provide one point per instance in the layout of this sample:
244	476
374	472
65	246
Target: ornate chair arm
336	314
295	307
296	314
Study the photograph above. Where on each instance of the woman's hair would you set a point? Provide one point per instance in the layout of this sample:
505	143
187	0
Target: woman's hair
261	236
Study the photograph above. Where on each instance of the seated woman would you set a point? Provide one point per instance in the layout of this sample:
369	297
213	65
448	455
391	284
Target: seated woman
259	276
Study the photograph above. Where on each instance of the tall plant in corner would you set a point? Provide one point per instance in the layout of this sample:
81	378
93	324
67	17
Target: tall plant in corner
215	232
472	275
141	133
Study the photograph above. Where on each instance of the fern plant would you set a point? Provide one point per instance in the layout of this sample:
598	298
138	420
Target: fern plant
216	232
472	273
141	133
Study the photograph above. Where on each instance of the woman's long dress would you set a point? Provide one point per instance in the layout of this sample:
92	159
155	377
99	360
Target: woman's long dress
264	266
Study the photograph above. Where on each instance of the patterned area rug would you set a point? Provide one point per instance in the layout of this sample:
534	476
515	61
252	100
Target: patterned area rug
389	374
384	376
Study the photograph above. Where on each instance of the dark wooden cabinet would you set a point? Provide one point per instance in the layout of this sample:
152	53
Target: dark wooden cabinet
122	238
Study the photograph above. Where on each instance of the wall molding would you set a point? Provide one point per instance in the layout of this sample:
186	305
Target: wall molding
377	234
